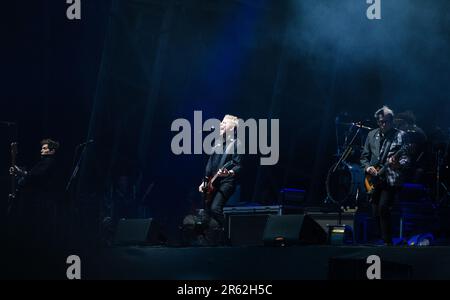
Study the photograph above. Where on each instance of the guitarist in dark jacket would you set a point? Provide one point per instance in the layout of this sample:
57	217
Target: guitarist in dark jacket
39	194
226	179
383	149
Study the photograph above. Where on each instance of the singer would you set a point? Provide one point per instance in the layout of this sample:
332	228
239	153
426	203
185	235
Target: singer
384	158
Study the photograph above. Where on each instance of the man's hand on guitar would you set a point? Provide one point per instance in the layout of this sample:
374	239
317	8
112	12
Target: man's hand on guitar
201	187
372	171
225	173
17	171
393	162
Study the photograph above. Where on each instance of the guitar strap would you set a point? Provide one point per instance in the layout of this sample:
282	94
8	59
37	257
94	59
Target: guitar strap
385	150
228	150
386	146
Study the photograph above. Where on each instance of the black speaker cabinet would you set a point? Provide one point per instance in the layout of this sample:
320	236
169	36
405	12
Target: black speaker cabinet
245	225
293	230
246	230
138	232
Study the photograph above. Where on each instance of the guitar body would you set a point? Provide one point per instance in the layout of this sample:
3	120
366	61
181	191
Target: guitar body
209	187
371	182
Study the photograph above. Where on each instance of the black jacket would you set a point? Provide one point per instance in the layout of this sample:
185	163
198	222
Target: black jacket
40	181
375	152
217	161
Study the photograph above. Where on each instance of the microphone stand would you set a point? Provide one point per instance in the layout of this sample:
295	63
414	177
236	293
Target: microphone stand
347	151
342	158
441	156
338	149
75	216
77	166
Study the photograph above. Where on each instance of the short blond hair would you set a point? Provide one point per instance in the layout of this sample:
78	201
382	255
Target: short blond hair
233	118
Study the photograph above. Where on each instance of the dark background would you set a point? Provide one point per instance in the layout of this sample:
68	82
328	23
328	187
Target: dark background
128	68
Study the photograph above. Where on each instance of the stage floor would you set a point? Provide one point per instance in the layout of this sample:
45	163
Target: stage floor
267	263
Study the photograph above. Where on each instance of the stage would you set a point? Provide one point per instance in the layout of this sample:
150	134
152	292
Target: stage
309	124
268	263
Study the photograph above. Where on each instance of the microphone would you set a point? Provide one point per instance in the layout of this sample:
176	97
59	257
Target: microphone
360	125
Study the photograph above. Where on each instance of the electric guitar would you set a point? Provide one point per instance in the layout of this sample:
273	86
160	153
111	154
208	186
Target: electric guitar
209	183
371	182
13	194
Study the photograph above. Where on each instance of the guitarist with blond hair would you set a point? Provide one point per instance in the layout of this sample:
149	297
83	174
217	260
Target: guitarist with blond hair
384	160
222	170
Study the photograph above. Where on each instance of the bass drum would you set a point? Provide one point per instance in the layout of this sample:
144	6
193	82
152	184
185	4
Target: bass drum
345	185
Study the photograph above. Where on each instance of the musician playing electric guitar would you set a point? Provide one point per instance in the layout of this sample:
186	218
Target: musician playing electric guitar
224	178
39	196
382	160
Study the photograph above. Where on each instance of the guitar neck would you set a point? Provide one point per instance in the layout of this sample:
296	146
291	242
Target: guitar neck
214	178
396	155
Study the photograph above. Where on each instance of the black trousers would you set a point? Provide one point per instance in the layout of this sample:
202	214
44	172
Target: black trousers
219	200
382	201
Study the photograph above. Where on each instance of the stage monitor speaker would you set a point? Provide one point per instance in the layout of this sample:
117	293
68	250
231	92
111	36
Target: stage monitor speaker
246	230
326	219
293	230
138	232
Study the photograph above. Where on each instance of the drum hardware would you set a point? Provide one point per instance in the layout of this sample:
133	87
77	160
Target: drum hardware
348	150
441	149
345	185
446	197
345	181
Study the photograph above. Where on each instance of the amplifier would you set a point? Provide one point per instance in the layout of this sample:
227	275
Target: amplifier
289	196
263	209
245	224
258	209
